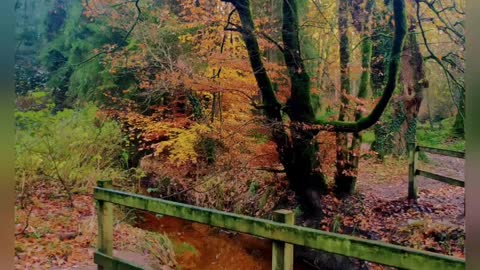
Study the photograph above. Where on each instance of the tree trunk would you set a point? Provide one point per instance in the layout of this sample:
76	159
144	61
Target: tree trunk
394	136
304	171
347	166
298	151
355	151
343	181
458	125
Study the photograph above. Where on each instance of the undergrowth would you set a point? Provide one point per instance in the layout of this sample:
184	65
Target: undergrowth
440	137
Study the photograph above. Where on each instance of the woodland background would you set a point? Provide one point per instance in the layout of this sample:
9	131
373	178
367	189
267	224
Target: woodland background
159	96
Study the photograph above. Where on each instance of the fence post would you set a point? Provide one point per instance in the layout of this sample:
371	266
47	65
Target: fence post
412	167
105	224
282	253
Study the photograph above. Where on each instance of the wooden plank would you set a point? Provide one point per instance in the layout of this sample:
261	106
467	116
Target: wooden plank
105	224
113	263
443	152
282	253
412	166
441	178
374	251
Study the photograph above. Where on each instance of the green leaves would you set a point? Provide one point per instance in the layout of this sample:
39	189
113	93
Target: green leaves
72	147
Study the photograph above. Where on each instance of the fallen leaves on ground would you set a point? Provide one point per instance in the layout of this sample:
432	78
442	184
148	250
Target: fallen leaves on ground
50	234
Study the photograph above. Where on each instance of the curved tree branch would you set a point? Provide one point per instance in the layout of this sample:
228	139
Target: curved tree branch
394	65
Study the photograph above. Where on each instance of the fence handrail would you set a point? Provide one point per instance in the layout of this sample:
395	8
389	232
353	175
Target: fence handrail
440	151
110	262
369	250
441	178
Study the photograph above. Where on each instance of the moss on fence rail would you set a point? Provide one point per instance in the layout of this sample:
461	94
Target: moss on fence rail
443	152
374	251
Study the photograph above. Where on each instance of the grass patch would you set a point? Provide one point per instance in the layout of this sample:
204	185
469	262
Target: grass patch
441	137
182	248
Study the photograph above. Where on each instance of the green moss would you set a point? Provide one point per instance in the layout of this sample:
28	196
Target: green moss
368	136
260	138
183	247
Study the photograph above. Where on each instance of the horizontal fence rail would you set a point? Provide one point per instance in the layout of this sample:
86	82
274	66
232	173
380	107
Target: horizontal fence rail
443	152
369	250
413	171
109	262
441	178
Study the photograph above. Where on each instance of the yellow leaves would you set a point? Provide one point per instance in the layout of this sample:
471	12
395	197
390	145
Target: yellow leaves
181	149
185	38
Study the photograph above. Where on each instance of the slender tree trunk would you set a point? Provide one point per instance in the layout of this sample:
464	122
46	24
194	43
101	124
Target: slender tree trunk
362	94
458	125
343	183
348	159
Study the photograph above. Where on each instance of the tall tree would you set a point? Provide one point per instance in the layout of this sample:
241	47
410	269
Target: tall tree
348	158
343	182
295	141
397	131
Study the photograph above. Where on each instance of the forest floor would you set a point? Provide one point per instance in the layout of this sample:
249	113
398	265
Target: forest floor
51	235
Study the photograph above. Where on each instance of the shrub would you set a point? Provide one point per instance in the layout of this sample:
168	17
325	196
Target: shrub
73	149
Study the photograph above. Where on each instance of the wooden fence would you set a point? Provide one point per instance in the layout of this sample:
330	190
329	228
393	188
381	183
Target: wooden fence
281	230
413	171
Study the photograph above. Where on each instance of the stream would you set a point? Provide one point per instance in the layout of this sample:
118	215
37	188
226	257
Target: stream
217	249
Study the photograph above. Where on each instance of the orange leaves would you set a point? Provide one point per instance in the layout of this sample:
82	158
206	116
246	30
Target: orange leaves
327	154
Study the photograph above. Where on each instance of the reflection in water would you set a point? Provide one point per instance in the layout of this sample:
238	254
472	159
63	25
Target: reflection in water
217	249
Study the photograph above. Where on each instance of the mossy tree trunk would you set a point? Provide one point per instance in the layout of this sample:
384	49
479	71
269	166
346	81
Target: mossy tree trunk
459	126
309	181
346	182
343	181
399	126
414	81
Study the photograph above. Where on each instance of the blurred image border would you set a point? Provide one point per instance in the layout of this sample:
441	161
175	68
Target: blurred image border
472	185
7	138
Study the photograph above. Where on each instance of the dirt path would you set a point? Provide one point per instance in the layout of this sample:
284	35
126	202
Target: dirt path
390	183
